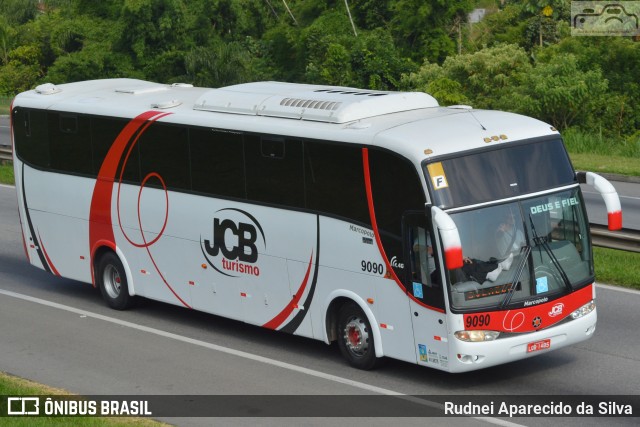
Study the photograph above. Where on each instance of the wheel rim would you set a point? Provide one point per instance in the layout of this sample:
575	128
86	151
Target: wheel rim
112	281
356	336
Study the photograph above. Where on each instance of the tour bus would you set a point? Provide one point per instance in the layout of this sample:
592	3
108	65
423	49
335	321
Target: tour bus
448	237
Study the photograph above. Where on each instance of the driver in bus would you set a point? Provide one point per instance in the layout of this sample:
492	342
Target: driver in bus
423	250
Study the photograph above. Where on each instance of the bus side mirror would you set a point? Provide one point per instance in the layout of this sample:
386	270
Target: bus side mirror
608	193
450	238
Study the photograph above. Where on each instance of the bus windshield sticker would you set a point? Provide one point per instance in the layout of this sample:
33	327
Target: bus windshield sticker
417	290
542	285
438	177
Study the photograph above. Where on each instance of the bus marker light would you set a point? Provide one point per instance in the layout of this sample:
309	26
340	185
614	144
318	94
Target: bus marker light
487	139
370	300
192	283
81	256
503	136
204	266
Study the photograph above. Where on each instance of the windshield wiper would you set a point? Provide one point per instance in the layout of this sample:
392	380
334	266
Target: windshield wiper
524	252
542	241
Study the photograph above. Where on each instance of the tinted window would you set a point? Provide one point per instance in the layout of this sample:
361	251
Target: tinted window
274	179
30	130
334	180
164	150
396	189
510	171
69	136
217	162
104	132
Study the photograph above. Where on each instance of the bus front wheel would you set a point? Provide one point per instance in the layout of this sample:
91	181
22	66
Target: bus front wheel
112	281
355	337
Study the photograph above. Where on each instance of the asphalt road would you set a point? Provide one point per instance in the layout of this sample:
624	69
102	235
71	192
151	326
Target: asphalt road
59	332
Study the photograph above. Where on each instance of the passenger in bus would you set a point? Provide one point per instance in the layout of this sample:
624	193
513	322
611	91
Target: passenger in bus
509	238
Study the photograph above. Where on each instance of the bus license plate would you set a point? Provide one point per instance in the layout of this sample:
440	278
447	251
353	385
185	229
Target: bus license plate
538	345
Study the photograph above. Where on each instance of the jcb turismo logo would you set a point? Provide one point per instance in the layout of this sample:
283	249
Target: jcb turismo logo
233	247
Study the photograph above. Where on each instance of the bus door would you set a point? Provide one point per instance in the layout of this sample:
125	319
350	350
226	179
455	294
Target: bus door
424	284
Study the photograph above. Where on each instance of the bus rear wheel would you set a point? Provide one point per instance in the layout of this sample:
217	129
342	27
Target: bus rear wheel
355	337
112	281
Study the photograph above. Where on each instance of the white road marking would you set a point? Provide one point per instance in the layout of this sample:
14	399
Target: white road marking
7	186
622	197
237	353
618	288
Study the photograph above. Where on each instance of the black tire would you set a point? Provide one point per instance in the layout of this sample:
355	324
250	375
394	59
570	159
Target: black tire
355	337
112	281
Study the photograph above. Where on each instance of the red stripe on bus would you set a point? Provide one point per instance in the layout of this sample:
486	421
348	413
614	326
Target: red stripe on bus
282	316
374	225
101	224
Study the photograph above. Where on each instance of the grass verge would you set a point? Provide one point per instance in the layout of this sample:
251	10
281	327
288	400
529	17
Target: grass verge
6	175
617	267
600	163
14	386
5	103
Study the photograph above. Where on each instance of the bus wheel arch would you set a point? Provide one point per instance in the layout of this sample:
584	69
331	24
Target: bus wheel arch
113	278
346	310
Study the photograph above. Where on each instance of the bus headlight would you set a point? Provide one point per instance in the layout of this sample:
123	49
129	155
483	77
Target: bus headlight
476	336
584	310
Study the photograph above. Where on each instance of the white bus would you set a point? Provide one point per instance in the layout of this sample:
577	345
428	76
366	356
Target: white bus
444	236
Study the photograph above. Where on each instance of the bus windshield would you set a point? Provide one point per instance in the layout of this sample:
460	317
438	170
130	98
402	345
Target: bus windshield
522	253
507	170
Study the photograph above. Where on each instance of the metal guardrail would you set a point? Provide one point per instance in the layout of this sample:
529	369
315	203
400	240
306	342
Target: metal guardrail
625	239
6	153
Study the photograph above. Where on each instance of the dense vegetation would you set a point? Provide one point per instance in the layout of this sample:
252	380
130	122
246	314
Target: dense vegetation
520	57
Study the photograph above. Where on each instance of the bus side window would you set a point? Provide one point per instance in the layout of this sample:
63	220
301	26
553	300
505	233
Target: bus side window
30	130
104	131
274	170
423	264
396	188
70	139
334	180
217	162
423	275
164	151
